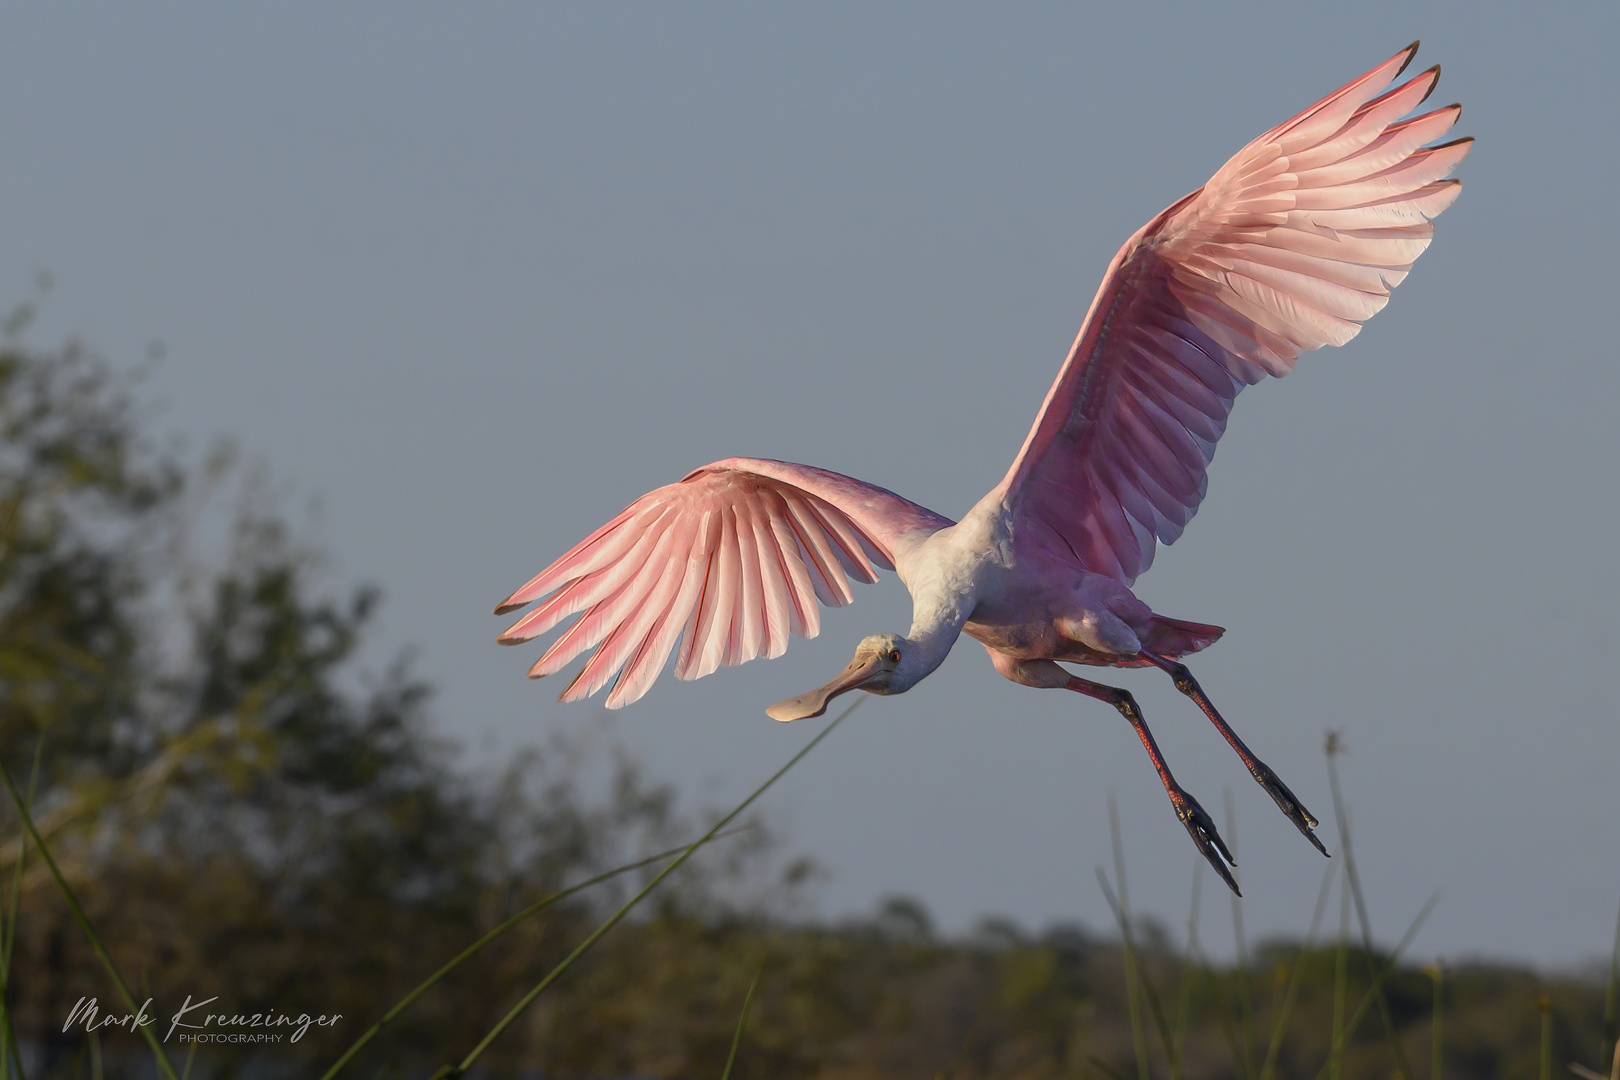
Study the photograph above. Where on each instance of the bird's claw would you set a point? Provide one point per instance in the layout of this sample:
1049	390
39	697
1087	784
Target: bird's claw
1291	807
1204	836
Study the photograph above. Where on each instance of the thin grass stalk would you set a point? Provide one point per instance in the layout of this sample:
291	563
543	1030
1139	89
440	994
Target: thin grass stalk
1395	1048
8	941
1144	984
742	1022
1122	915
450	1071
1280	1025
1389	965
1184	1005
466	954
962	1046
84	924
1222	1012
1245	1000
1437	1020
1341	984
1107	1069
1544	1003
1610	1047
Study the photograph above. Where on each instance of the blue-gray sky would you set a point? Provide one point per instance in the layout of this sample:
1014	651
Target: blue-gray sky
479	276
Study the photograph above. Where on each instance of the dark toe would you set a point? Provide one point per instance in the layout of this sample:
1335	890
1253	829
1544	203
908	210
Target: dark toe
1205	837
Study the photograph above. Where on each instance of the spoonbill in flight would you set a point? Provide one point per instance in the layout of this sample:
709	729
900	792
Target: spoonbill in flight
1292	245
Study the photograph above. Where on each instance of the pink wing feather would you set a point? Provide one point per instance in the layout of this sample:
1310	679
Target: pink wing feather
1292	245
732	560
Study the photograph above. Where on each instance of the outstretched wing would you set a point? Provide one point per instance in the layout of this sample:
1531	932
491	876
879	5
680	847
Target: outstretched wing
1292	245
732	559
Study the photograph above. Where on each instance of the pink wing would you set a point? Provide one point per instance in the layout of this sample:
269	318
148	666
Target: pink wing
734	557
1292	245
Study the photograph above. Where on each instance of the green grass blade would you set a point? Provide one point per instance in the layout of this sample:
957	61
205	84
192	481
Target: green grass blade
1133	992
1341	981
1184	1005
1223	1013
1437	1021
8	939
742	1022
1245	999
466	954
1137	983
1378	975
596	935
1544	1003
1610	1047
1280	1024
1393	1037
84	924
1107	1069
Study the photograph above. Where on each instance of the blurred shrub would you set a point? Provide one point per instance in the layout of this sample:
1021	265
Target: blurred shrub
244	813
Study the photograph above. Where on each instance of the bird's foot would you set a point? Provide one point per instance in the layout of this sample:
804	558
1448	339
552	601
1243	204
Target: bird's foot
1291	807
1204	837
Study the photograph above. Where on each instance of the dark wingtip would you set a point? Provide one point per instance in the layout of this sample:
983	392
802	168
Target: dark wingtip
1435	71
1411	53
505	606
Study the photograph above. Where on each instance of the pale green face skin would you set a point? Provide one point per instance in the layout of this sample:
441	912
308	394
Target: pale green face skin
875	669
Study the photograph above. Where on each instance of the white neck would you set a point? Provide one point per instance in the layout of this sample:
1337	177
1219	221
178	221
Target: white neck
941	574
933	632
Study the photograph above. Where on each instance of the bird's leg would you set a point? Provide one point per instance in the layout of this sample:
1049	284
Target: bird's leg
1291	807
1199	824
1048	675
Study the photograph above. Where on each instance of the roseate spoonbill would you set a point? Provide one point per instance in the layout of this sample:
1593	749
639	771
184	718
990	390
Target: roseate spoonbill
1292	245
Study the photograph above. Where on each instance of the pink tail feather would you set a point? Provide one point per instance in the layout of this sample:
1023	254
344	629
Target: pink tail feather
1176	637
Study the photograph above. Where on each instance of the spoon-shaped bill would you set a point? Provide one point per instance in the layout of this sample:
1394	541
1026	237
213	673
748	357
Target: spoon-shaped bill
861	670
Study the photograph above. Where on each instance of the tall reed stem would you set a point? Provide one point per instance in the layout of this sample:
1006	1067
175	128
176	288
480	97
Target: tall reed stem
1437	1025
1610	1047
1184	1005
1544	1003
1269	1070
1390	1032
1341	978
1245	999
1122	914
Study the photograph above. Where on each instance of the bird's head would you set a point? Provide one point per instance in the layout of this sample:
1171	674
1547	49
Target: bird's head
880	667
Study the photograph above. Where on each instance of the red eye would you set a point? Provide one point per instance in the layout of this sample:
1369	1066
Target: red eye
894	656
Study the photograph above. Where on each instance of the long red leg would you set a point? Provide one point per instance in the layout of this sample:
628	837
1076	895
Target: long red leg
1199	824
1290	805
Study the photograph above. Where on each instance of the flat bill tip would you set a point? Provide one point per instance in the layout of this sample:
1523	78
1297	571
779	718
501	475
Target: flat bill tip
799	708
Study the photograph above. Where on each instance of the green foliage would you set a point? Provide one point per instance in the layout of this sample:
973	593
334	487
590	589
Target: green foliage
243	812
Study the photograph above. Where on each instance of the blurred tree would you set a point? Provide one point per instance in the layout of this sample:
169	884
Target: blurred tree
244	814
